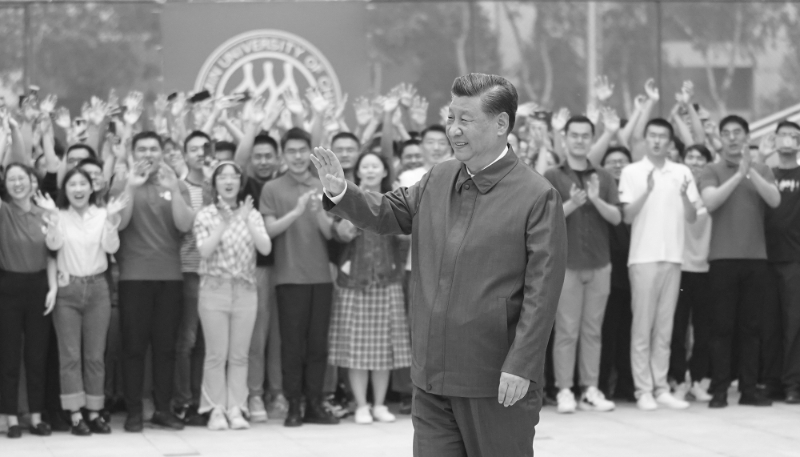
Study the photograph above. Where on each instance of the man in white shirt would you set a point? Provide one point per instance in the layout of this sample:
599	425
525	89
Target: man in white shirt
659	198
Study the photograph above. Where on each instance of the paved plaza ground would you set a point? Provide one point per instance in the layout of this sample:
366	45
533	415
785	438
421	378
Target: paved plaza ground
698	431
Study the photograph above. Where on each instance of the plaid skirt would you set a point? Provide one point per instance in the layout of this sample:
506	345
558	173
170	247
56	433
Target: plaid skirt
369	329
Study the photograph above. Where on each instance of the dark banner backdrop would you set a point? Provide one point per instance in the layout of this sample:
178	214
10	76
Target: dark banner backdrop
279	46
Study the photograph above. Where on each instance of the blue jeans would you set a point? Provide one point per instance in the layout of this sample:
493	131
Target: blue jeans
189	350
81	318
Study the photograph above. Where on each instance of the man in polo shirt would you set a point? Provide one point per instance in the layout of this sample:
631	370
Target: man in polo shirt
590	197
257	154
783	252
151	282
189	352
658	197
736	192
291	205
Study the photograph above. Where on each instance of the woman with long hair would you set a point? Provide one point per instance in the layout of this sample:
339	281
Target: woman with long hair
83	234
27	296
228	232
369	332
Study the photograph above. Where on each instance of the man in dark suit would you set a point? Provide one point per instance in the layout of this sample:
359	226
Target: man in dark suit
489	253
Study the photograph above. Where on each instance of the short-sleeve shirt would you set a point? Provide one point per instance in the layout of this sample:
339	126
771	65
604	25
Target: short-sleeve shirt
253	187
301	254
658	231
783	222
150	246
587	231
190	258
235	255
22	239
737	231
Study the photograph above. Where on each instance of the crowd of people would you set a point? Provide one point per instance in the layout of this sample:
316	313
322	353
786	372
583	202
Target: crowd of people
187	257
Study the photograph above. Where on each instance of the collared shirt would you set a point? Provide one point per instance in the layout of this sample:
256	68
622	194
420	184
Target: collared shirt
22	244
301	252
587	231
235	255
488	266
737	231
83	242
658	231
502	154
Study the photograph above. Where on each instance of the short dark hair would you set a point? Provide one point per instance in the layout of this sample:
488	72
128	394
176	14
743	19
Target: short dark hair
615	149
346	135
91	151
579	119
497	94
433	128
265	138
295	133
225	146
732	118
787	123
62	201
660	122
90	161
701	148
147	135
386	182
411	142
195	134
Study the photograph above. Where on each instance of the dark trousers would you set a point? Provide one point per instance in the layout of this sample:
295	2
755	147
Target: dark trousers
401	377
150	314
473	427
616	378
190	350
22	301
787	277
737	291
694	301
304	314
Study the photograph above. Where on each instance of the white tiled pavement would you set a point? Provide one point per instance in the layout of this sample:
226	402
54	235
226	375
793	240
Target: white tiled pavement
698	431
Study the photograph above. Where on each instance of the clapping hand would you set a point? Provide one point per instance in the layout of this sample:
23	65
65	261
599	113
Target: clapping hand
746	162
577	195
593	188
330	171
303	201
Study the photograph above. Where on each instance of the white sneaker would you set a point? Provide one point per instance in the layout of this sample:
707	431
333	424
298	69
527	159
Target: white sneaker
594	400
681	390
217	420
258	413
670	401
699	393
363	415
236	419
646	402
566	401
381	414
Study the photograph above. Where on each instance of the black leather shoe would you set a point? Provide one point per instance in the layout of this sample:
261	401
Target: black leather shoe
317	414
59	421
14	431
99	426
134	423
405	406
756	398
294	417
719	400
167	420
793	396
41	429
81	429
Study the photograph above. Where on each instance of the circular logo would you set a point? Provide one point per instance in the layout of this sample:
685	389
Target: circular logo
267	63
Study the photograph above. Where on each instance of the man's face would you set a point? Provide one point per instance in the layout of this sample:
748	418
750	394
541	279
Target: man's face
472	132
297	155
195	150
96	173
264	160
734	140
657	139
75	156
435	148
695	161
224	155
411	157
615	162
346	150
579	139
787	140
148	150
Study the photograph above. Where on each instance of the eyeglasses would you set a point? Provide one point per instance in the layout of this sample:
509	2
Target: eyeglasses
738	133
